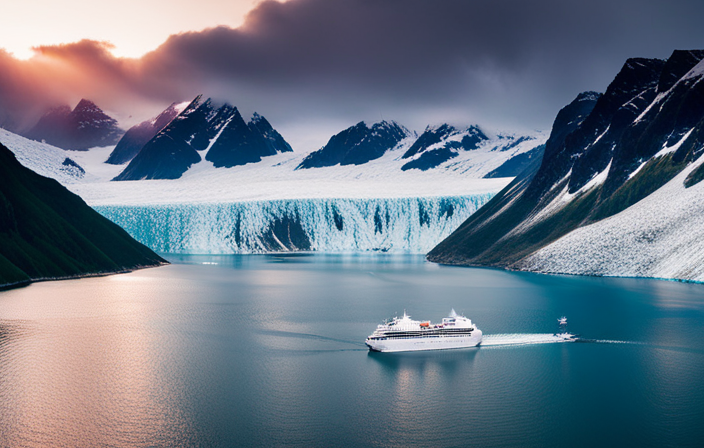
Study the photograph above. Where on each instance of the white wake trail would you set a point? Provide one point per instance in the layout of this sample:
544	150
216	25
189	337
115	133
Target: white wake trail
497	340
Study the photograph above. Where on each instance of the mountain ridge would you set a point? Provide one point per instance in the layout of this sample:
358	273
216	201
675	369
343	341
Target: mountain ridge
80	129
219	132
640	134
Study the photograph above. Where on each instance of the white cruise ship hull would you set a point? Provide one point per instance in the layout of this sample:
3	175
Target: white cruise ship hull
425	343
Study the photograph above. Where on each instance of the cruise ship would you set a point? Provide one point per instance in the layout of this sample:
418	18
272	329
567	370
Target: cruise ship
406	335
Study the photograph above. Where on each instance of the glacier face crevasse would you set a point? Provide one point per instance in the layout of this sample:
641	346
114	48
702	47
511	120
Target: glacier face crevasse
410	225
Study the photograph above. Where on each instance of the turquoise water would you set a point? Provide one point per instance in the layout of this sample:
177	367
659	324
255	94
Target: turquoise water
268	351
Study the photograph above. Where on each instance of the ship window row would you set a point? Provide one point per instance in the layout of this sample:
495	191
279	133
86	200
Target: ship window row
425	333
421	336
431	330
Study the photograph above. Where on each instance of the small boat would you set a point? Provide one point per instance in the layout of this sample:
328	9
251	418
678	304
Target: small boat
562	334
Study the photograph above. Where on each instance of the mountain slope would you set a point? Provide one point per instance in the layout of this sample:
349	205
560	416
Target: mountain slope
84	127
643	132
138	135
48	232
239	143
660	236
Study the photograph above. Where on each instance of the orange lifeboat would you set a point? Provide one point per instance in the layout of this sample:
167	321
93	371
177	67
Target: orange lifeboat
425	324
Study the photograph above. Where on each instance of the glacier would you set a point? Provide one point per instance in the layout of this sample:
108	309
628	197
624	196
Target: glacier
401	224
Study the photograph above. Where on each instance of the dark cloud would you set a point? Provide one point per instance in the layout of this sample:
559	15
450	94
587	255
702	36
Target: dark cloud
312	65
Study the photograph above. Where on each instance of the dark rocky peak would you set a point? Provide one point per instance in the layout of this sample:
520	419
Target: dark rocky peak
431	136
220	117
137	136
676	66
191	126
83	127
558	158
174	148
87	114
192	106
471	139
165	116
256	118
357	144
203	125
236	144
239	143
636	75
438	144
87	107
474	137
673	118
274	141
591	144
568	119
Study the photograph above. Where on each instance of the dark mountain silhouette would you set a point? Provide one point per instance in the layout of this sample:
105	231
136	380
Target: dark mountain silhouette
82	128
47	232
137	136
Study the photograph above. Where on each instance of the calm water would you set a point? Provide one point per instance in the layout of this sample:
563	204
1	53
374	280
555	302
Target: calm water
268	351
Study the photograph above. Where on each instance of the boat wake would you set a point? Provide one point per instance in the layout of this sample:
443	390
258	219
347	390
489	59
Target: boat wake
503	340
609	341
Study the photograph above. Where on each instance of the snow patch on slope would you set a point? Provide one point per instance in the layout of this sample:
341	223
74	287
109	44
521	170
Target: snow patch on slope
668	149
595	181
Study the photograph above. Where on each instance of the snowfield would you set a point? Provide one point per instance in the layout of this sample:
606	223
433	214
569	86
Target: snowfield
274	178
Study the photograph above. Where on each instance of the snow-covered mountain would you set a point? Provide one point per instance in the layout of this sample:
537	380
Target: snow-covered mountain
618	190
138	135
220	205
220	133
357	145
438	144
84	127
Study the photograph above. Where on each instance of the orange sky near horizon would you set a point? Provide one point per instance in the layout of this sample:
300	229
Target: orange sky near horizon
133	27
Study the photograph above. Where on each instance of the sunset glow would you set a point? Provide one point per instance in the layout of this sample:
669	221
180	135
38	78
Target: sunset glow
505	64
133	27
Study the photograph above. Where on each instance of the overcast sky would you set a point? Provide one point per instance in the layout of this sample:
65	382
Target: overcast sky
313	67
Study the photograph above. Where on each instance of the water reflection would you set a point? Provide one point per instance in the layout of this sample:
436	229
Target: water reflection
423	365
82	381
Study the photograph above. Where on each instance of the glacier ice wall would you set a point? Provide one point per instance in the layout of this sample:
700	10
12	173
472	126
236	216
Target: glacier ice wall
410	225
